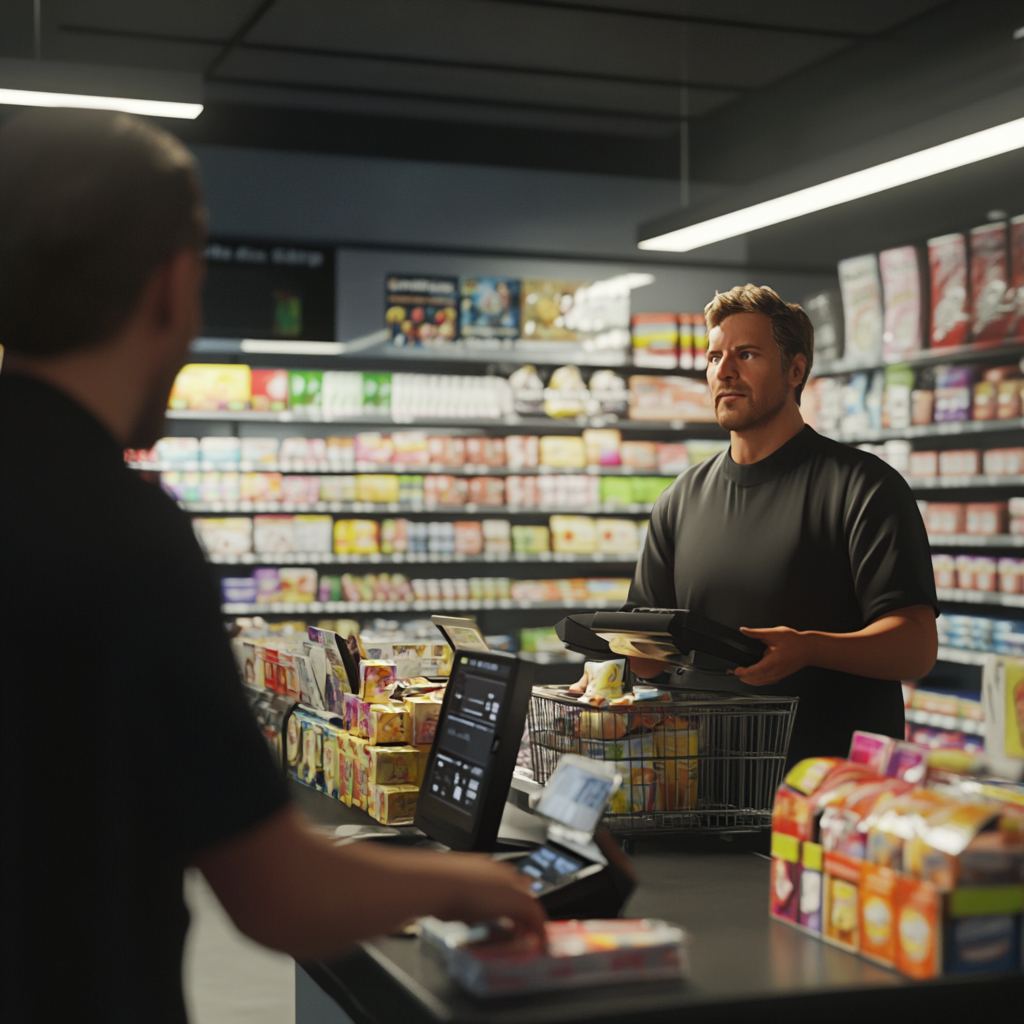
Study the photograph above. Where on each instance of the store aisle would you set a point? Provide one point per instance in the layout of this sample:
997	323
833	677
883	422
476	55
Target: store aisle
228	978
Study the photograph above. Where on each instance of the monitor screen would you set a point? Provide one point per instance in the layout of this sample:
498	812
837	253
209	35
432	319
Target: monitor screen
578	792
469	747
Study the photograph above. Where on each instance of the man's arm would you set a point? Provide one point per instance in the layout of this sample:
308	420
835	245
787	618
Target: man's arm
901	644
292	889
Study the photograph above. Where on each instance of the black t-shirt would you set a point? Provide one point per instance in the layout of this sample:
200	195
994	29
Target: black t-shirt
127	741
816	536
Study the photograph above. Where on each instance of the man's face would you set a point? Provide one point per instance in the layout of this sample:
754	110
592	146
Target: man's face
745	373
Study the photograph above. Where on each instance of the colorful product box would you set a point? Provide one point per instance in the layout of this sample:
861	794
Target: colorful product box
902	291
269	390
393	766
947	261
377	679
211	387
421	310
393	804
989	282
423	714
545	306
811	886
841	903
489	307
784	892
655	340
388	723
332	762
861	288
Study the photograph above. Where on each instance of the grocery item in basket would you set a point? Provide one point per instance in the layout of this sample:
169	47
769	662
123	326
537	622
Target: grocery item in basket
603	681
578	954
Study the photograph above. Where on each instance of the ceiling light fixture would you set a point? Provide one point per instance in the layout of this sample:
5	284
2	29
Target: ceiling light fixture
148	108
969	149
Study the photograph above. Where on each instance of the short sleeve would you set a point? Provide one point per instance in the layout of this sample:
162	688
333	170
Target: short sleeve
653	583
890	558
208	764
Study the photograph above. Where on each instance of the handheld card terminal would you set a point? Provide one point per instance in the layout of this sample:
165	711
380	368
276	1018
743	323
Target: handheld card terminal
579	871
469	768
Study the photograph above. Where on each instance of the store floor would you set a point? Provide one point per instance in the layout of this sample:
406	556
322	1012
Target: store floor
228	978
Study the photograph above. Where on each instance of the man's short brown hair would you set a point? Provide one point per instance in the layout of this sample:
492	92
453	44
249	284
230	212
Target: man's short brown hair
91	203
791	327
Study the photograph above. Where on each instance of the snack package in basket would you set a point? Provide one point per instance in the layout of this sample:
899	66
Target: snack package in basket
579	954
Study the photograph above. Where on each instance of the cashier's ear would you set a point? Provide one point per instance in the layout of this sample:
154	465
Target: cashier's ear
796	372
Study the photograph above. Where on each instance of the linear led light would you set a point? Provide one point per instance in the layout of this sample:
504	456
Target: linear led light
969	149
149	108
268	346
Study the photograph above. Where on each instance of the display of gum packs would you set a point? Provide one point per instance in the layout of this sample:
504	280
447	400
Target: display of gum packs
311	760
841	900
784	888
811	866
423	714
393	805
377	679
387	723
845	824
393	766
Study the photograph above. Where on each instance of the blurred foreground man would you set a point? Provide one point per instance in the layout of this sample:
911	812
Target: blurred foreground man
128	749
818	546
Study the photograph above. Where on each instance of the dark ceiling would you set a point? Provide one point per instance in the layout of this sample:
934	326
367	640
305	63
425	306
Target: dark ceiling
602	85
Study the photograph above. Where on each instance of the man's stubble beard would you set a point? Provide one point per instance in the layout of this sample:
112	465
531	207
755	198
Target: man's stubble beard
756	414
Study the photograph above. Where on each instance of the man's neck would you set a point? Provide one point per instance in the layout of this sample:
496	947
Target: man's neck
749	446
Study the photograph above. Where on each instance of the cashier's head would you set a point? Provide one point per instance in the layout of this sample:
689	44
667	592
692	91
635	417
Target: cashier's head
760	351
102	230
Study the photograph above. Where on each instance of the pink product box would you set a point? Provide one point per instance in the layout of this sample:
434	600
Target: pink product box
1003	462
924	464
961	462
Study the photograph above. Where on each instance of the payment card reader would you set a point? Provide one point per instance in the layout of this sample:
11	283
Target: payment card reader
580	870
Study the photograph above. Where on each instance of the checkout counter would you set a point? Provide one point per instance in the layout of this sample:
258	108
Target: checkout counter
744	966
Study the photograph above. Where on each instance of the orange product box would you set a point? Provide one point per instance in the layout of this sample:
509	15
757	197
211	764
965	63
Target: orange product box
985	518
841	905
945	517
784	891
918	928
1009	399
878	913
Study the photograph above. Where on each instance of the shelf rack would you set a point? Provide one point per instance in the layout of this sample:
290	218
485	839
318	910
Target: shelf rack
315	558
394	508
955	428
970	540
926	357
949	722
990	597
317	468
442	604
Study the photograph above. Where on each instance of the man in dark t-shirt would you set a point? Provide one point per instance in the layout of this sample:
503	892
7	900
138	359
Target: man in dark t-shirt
128	749
818	546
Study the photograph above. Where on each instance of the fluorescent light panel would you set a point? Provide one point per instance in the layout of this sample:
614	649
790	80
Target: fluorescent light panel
149	108
270	346
970	149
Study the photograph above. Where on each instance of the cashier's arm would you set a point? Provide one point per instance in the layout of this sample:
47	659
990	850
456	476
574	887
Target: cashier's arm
902	644
292	889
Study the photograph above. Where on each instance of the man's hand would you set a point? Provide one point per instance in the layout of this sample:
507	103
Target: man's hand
788	651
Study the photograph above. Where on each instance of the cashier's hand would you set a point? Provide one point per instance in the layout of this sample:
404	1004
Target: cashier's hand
481	889
788	652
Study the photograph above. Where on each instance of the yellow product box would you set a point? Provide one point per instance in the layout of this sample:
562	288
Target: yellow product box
530	540
332	761
210	387
563	452
602	446
617	536
345	767
360	771
377	679
297	584
394	766
363	536
573	534
380	488
389	723
393	805
423	714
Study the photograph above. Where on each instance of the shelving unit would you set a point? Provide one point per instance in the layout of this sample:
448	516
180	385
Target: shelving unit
989	597
956	428
970	540
926	357
426	558
441	604
313	469
963	483
395	508
968	725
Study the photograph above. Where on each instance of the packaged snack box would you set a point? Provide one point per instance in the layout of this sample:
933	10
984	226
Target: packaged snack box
304	389
269	390
393	766
784	891
345	768
293	744
332	762
489	307
311	764
563	452
377	678
602	446
902	291
423	715
229	536
544	307
393	805
878	913
211	387
811	884
862	306
655	339
841	904
947	259
989	282
573	534
871	750
298	585
388	723
421	310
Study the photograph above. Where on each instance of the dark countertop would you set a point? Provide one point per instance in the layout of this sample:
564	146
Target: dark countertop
743	964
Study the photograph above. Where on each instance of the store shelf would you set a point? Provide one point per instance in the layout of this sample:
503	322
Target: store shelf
395	508
432	605
936	721
513	420
961	483
957	428
315	468
926	357
959	656
423	558
956	596
970	540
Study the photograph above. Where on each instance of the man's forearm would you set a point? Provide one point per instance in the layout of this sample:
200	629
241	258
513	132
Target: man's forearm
900	645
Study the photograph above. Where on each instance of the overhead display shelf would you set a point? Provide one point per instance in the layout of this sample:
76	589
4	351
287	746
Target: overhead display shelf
926	357
432	605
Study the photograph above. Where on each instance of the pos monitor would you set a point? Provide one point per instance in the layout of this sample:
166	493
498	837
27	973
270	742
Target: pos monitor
469	769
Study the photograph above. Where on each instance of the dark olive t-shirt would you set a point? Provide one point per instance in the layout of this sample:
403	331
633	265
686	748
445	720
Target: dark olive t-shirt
816	536
127	742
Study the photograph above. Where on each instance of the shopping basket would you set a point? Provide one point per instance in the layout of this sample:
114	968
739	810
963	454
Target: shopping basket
703	762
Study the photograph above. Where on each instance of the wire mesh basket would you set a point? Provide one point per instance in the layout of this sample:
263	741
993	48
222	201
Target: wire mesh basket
704	762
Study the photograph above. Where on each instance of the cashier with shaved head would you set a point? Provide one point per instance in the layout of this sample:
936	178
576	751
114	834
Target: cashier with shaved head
811	546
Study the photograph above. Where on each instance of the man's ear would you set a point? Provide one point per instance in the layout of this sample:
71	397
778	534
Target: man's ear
797	370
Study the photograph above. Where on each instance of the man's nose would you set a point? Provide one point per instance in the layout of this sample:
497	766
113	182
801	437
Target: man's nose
726	367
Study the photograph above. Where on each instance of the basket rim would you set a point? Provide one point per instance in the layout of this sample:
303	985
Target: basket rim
715	699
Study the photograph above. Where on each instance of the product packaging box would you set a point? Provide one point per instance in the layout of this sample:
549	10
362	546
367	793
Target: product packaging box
546	306
785	877
377	678
269	390
423	715
563	452
421	310
602	446
573	534
655	340
861	289
825	311
947	261
991	305
661	399
304	388
489	307
811	878
211	387
393	766
393	804
388	723
902	294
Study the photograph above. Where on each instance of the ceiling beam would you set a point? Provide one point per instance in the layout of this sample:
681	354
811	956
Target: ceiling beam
324	51
241	32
